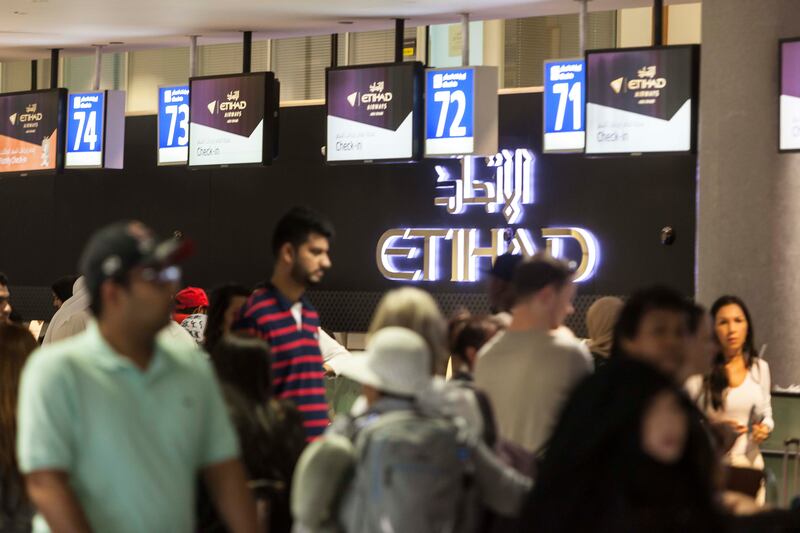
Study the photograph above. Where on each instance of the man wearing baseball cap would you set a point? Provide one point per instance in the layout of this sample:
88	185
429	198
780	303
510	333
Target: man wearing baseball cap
116	423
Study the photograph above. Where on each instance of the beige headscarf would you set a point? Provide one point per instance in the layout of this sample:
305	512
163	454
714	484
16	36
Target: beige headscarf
600	321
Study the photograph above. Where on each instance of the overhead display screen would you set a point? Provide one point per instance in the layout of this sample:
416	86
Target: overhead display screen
232	119
790	95
564	102
642	100
173	125
32	130
461	111
95	129
374	112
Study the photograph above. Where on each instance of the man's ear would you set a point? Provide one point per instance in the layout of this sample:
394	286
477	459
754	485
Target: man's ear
287	253
110	294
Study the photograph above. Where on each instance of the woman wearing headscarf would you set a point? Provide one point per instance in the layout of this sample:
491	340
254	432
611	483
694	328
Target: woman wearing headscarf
600	321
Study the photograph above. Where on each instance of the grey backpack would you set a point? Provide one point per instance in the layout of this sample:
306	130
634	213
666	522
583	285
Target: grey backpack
413	475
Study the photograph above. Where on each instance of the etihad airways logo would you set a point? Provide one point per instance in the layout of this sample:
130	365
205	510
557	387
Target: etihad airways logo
375	98
415	254
646	87
30	115
231	103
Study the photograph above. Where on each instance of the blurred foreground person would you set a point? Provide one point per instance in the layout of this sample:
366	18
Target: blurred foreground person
414	469
225	302
621	460
5	300
600	320
270	432
117	423
16	511
527	372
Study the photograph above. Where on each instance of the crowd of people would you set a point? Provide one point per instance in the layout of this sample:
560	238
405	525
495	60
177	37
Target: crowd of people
152	407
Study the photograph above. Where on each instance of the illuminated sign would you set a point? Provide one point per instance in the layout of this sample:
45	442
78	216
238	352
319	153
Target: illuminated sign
32	130
173	125
641	100
790	95
96	129
233	119
413	254
461	111
374	112
564	99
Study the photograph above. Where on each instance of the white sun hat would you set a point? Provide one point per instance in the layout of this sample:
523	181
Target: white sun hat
396	361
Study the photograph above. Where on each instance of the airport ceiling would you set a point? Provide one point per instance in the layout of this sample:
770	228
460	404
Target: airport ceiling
29	28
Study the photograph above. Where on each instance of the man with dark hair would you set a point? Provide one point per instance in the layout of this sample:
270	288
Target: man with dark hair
528	371
62	290
280	314
501	287
117	422
5	304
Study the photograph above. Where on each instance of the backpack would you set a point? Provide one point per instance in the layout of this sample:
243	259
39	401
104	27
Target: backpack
413	475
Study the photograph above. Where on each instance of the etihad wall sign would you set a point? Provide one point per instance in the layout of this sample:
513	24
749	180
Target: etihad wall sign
502	183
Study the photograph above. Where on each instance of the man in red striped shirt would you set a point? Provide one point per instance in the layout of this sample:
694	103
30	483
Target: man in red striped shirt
281	315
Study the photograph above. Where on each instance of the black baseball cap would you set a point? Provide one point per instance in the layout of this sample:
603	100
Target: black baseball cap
116	249
504	266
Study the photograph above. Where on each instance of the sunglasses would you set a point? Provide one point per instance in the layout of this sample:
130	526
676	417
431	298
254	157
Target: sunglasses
170	274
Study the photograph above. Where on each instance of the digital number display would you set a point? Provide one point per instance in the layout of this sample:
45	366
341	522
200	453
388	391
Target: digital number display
85	122
173	125
564	98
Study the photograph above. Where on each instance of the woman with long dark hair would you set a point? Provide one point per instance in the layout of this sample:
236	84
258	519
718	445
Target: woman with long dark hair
738	388
16	512
270	431
224	303
621	459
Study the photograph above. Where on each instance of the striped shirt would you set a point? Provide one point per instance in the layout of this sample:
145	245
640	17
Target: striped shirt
297	372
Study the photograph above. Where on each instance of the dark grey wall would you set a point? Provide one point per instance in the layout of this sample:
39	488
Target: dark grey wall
749	221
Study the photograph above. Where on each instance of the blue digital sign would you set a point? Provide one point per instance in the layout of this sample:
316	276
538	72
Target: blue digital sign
173	124
450	111
85	122
564	98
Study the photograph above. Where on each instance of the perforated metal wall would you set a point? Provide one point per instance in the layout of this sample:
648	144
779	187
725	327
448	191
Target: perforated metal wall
32	303
352	311
340	311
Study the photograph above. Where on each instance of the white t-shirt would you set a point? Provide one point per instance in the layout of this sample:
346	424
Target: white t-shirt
333	353
528	376
749	403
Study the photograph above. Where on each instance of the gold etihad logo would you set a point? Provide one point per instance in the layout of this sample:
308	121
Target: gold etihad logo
646	86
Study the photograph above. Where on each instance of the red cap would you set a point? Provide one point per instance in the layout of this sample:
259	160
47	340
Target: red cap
191	297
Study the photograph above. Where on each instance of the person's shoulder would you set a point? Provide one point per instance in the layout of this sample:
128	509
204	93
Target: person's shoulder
492	346
762	364
187	355
59	358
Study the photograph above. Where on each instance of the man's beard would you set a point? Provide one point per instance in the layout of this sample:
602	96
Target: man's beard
303	277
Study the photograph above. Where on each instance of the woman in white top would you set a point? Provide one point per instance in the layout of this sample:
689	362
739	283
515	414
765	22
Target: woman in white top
738	389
